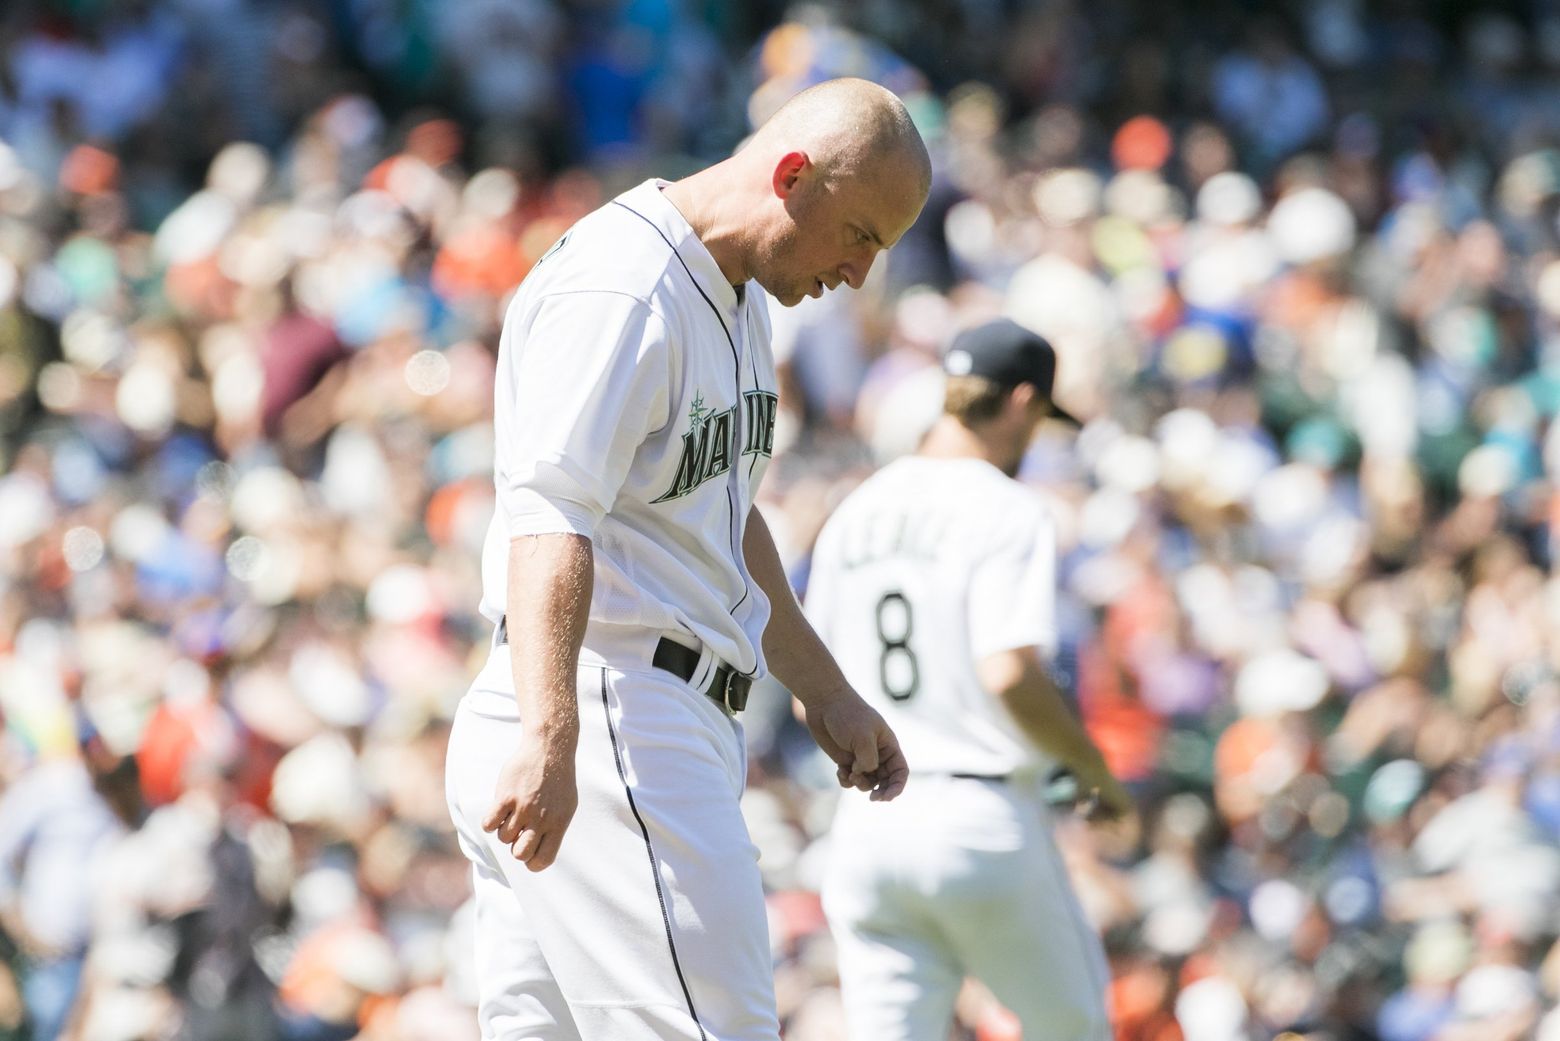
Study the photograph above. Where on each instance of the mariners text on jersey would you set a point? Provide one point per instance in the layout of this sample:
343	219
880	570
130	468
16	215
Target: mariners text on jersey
710	443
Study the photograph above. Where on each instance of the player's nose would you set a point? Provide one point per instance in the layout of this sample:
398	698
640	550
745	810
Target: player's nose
854	271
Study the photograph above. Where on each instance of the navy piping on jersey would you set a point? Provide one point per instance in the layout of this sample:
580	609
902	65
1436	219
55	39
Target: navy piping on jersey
753	362
736	358
655	867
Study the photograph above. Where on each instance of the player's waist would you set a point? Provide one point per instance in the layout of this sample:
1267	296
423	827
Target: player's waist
1057	786
642	578
969	764
626	622
992	774
695	599
936	746
640	649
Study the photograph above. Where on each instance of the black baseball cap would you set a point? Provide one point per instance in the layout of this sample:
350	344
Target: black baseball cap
1007	354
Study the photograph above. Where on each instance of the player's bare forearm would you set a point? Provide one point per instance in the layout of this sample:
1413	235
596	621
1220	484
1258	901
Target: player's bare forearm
1035	703
795	654
546	605
849	731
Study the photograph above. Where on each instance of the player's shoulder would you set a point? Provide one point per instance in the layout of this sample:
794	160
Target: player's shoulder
990	486
976	492
1008	506
880	486
980	499
620	248
972	484
600	253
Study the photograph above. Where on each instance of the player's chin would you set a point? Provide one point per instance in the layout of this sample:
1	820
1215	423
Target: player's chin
787	295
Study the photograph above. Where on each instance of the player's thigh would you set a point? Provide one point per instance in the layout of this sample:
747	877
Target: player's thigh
1018	928
895	986
517	997
899	979
652	917
672	766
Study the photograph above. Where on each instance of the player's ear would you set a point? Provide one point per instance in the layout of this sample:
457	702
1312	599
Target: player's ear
1022	397
789	172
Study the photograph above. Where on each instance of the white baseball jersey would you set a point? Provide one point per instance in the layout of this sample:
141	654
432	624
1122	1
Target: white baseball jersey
929	566
635	404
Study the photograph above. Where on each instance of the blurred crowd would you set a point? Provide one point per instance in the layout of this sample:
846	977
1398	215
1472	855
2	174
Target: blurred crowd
1301	264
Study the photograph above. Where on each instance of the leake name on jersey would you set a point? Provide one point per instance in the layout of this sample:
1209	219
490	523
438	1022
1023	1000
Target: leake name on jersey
891	536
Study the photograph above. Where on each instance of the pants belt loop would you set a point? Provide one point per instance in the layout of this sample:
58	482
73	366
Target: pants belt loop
704	672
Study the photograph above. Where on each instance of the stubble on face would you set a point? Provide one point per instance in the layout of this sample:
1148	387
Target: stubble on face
775	256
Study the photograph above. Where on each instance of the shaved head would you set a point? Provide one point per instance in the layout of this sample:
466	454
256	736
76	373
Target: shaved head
848	127
835	177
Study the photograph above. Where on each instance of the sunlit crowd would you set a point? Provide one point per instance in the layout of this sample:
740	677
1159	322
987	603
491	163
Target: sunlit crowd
1302	271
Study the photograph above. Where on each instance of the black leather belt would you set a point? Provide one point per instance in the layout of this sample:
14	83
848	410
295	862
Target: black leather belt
729	688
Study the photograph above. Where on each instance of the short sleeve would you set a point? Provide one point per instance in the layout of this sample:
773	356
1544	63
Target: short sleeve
1012	595
583	379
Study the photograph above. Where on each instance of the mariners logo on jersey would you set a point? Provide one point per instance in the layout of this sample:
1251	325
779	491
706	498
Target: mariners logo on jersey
709	446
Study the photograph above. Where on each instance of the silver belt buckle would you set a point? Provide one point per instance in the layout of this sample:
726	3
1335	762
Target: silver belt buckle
731	689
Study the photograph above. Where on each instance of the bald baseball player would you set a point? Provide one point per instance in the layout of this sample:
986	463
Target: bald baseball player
596	763
933	583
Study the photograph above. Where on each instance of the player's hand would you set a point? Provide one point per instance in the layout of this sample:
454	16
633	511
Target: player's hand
865	751
1108	801
534	800
1108	805
1099	799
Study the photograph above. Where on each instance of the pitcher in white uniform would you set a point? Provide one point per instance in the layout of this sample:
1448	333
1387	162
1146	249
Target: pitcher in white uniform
934	586
595	765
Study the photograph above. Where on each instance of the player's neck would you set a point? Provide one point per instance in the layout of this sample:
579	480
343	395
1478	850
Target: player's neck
704	199
950	439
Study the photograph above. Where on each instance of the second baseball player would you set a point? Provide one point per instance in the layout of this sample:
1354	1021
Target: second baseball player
933	585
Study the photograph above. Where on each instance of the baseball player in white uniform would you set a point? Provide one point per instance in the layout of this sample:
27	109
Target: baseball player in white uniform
933	585
595	765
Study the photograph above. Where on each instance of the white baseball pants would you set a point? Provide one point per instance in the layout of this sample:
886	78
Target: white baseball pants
650	925
959	877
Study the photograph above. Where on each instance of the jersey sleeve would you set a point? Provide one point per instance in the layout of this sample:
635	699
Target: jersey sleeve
583	379
1012	593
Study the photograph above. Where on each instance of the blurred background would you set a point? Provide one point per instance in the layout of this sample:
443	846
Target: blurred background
1302	265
